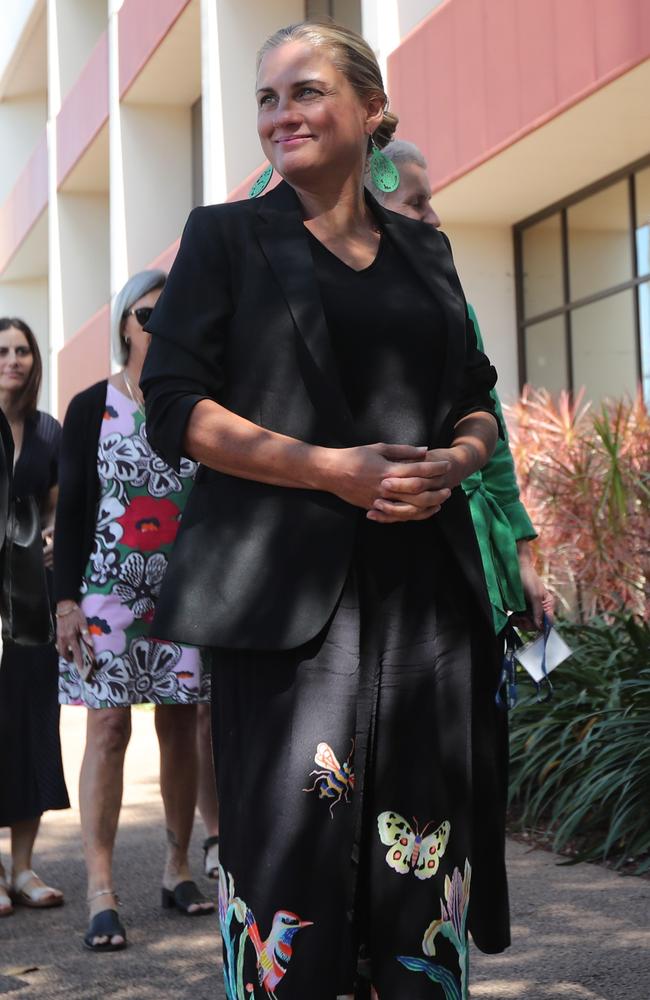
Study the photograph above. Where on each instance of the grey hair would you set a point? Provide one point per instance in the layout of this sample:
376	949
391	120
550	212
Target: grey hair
134	289
399	151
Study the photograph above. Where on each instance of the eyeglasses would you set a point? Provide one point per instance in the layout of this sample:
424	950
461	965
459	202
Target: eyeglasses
142	314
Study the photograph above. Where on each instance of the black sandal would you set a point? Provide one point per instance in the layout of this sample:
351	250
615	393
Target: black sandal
106	923
186	894
208	843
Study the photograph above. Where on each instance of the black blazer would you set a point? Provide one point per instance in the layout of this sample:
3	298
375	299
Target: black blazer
79	489
240	320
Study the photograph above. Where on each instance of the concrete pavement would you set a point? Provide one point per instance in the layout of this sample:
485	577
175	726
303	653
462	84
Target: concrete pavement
581	933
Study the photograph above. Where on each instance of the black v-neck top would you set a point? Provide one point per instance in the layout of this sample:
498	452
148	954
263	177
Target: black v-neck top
387	333
37	467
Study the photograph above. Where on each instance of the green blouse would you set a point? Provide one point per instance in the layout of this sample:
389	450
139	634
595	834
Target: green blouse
500	520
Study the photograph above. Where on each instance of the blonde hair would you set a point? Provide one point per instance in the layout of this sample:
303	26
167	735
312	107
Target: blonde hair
351	55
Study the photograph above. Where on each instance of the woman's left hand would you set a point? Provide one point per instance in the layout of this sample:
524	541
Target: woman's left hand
539	600
48	547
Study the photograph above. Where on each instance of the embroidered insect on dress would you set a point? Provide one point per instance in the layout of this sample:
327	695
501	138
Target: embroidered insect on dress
140	507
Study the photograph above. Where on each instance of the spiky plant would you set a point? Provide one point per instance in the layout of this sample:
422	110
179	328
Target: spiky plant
585	479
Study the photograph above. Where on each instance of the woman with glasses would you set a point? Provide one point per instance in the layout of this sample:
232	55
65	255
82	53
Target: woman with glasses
118	514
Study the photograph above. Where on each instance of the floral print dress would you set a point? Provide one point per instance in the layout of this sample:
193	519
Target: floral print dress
140	507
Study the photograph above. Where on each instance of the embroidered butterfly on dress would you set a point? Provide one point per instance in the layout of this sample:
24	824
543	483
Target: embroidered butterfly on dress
333	780
411	849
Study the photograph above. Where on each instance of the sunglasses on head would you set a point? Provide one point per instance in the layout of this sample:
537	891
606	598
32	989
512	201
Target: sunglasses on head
142	314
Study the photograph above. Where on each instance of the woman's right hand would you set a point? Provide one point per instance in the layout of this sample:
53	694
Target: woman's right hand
356	476
70	625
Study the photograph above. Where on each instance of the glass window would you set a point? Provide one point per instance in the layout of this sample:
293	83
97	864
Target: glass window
644	318
600	254
642	180
546	355
541	246
603	342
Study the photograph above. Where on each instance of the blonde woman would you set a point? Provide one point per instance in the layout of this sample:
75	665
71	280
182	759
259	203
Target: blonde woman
313	352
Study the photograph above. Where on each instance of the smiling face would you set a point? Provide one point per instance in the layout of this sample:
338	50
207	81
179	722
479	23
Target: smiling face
413	196
16	360
311	122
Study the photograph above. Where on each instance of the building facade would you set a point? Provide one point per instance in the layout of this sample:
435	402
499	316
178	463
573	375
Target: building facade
118	116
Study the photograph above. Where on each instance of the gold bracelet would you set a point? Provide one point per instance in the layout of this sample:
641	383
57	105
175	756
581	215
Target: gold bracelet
62	614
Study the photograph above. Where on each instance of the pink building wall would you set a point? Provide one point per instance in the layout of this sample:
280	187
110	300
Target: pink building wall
27	201
84	359
84	110
477	75
142	26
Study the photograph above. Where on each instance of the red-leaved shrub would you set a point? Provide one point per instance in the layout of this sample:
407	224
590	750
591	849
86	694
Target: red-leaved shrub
584	475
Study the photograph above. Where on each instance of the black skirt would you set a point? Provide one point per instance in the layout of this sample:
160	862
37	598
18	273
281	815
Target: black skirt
362	789
31	769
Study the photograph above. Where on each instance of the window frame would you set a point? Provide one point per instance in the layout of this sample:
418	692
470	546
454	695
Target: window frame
569	305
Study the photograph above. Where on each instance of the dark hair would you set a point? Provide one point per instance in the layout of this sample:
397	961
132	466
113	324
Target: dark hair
29	393
351	55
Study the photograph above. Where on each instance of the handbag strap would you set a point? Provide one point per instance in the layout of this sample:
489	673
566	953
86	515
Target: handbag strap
506	694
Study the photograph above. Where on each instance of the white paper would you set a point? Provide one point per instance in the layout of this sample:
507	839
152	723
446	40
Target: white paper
530	655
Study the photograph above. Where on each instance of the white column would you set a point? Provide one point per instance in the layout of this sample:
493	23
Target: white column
56	333
380	27
215	186
119	262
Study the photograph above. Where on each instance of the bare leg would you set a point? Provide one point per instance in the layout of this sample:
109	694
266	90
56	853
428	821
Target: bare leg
5	902
23	836
207	789
101	782
176	728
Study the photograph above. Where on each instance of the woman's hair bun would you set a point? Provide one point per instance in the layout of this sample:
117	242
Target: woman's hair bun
386	130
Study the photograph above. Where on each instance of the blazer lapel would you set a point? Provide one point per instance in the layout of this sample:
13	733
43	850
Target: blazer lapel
430	258
283	240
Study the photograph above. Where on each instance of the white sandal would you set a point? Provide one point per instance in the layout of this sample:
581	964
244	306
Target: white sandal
40	897
6	909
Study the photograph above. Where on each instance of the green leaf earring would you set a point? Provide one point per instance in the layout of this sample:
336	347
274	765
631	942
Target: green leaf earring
262	182
384	173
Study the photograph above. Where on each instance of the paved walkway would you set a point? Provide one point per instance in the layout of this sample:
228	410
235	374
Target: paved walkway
580	933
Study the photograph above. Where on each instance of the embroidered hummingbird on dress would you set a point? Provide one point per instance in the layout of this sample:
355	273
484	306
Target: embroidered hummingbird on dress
274	954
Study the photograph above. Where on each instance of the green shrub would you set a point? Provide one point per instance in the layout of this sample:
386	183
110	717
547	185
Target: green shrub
580	764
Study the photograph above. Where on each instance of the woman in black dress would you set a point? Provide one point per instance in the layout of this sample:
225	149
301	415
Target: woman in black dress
31	770
359	752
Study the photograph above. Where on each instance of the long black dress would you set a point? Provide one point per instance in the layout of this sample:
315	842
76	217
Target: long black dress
31	769
344	767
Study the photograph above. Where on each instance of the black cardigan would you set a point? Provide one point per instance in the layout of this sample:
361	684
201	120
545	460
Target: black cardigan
76	511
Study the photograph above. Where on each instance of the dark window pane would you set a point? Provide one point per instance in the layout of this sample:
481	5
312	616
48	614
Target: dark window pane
546	355
542	266
604	348
644	317
643	221
599	241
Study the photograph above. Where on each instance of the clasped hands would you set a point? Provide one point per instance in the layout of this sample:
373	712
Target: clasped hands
395	483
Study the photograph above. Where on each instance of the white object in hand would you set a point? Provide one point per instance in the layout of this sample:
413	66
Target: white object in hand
531	654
